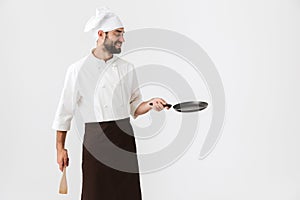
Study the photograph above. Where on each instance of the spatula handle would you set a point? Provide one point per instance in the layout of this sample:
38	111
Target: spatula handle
63	186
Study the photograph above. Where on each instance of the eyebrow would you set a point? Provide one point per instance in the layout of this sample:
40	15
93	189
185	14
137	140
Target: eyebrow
119	31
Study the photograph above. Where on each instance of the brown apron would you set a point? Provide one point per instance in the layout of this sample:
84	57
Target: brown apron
103	182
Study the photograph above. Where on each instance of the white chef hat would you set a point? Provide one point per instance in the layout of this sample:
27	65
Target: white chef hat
104	20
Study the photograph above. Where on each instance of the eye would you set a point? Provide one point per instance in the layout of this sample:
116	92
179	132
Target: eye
118	34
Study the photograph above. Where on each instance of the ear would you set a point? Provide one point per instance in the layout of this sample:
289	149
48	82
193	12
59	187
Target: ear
101	35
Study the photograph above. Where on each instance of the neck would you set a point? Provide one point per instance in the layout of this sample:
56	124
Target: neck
101	53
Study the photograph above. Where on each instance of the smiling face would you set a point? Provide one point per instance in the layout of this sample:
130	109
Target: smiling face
113	41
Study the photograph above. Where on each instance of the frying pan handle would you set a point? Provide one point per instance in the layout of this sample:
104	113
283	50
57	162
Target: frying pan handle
167	105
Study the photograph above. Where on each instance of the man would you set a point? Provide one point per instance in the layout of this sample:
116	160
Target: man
104	89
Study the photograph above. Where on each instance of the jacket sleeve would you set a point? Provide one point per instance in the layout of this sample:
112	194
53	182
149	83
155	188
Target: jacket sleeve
67	102
136	96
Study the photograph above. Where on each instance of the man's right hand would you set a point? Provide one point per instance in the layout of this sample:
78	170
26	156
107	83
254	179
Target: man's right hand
62	158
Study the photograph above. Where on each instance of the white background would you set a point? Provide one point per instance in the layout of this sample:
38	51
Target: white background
255	46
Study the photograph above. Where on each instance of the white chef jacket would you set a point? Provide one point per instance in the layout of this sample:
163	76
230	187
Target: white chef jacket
101	91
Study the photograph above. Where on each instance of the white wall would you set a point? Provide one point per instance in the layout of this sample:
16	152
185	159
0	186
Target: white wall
255	46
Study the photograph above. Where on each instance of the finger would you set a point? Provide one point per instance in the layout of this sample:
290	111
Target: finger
66	161
157	108
66	158
61	167
160	106
60	163
164	104
163	101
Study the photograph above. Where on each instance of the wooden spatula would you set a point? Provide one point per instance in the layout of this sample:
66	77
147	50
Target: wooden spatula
63	187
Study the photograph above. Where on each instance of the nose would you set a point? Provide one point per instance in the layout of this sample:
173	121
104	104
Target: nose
121	39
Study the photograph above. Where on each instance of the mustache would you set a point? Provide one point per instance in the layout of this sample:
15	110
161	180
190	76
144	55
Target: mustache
119	43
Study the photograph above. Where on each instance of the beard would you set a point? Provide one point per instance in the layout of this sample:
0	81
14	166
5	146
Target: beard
110	46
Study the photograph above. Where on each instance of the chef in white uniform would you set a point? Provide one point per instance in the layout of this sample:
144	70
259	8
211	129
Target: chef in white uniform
104	89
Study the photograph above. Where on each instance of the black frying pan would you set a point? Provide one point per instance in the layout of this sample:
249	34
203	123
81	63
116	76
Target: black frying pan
190	106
